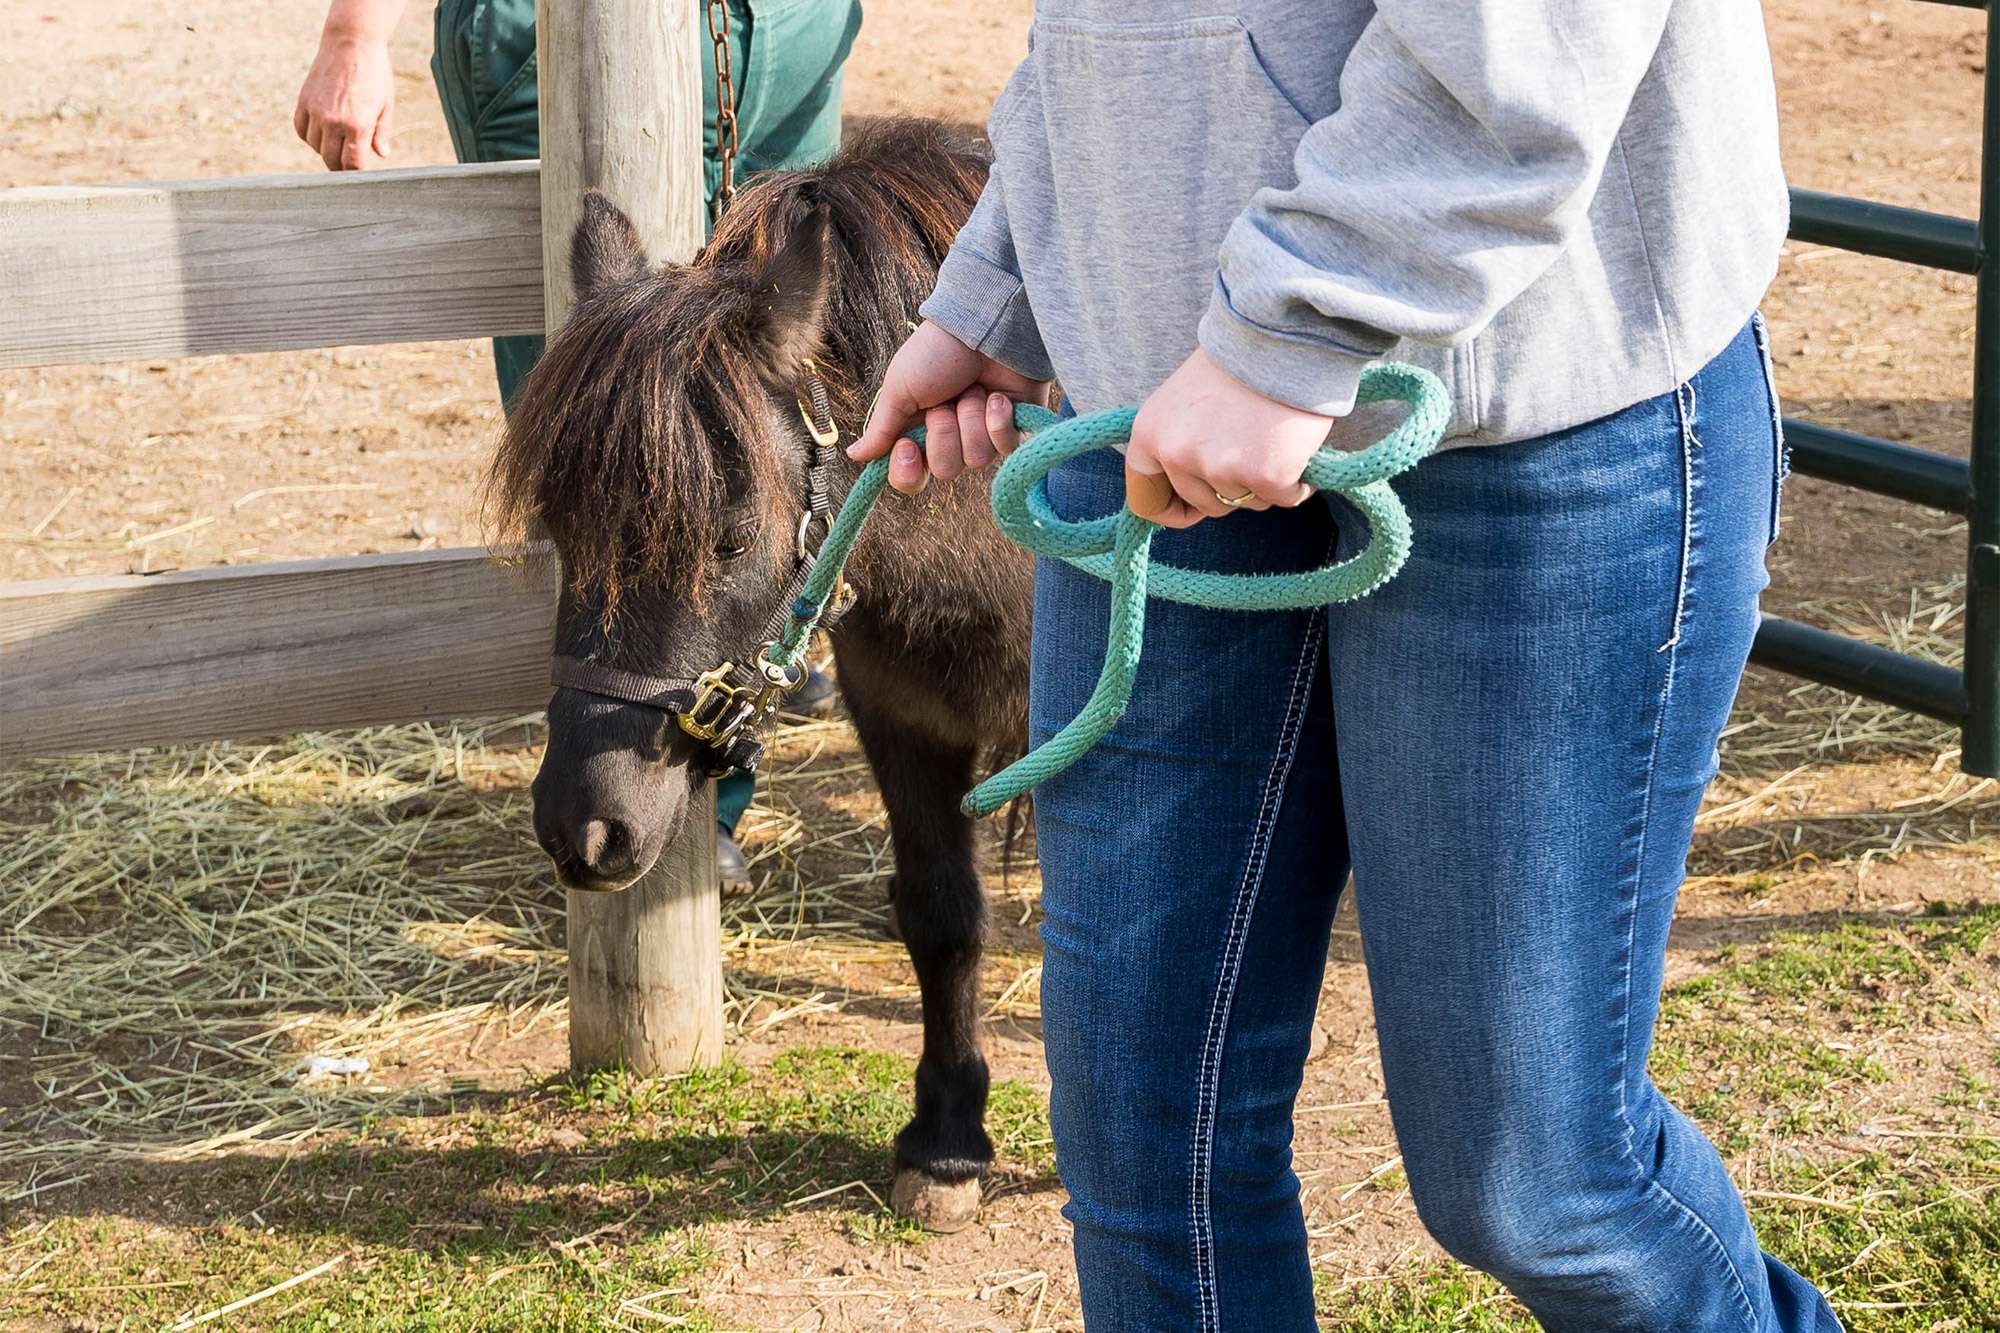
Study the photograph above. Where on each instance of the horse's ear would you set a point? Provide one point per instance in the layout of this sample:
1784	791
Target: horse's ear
793	293
605	248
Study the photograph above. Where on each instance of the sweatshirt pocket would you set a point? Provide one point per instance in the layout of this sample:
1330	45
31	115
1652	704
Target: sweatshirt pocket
1151	139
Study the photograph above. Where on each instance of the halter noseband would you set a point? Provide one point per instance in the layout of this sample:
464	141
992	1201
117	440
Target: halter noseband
727	708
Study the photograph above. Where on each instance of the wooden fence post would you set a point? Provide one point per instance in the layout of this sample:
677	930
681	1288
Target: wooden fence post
621	110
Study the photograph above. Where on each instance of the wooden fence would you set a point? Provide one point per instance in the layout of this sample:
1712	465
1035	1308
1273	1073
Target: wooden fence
254	264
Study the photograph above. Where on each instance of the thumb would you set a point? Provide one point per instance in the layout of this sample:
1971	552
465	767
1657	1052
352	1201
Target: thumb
385	131
1147	494
892	412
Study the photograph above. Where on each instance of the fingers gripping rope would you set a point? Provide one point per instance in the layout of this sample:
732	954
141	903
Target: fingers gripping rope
1117	548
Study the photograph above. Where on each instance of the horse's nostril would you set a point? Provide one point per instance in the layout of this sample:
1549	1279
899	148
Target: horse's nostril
603	846
590	848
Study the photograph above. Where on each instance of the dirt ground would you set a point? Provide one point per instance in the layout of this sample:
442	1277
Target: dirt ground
1826	816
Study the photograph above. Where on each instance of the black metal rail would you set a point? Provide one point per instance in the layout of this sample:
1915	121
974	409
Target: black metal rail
1968	698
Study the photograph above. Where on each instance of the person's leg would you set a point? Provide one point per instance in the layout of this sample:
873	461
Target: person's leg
789	55
483	63
1190	867
732	798
1527	718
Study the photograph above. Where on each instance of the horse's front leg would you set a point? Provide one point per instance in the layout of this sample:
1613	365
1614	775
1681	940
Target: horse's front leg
944	1150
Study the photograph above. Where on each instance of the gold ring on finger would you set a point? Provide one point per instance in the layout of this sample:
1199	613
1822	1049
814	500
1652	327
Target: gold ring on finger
1234	500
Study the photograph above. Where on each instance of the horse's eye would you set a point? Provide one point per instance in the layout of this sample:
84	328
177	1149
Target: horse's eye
736	542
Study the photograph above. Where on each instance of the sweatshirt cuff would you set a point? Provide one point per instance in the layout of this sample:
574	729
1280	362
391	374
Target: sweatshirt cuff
986	307
1312	374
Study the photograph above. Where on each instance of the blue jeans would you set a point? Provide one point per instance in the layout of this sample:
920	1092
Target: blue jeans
1506	745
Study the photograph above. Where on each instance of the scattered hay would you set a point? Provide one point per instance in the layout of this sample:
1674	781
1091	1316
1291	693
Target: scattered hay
181	929
1816	723
182	925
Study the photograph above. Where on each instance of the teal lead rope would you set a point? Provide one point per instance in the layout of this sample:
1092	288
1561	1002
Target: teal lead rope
1117	548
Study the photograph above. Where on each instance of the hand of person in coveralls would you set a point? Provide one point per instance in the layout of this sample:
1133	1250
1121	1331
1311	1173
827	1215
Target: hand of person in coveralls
346	105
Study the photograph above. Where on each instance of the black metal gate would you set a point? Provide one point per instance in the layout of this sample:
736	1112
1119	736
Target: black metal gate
1969	699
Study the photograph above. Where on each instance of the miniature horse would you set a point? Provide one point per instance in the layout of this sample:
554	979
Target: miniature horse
665	444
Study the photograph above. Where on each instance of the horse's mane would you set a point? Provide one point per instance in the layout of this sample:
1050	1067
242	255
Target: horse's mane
647	413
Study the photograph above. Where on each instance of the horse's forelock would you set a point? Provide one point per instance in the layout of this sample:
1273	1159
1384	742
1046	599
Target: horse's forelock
647	406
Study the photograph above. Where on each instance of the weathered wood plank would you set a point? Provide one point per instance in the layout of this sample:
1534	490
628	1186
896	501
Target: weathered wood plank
262	263
111	662
621	110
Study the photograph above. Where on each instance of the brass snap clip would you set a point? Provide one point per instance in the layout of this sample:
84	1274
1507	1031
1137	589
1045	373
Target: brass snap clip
720	707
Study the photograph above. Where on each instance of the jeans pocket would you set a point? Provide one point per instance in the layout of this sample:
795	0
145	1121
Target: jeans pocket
509	127
1781	453
484	66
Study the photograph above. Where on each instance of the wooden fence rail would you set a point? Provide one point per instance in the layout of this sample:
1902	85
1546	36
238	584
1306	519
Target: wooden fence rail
258	650
265	263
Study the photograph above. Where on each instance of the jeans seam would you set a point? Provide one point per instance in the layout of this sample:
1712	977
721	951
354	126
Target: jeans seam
1781	453
1636	880
1208	1073
1684	409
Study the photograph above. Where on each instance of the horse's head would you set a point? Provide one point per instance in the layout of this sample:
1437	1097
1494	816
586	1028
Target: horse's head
661	447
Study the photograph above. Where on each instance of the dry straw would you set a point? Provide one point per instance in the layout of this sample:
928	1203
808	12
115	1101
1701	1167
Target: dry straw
1815	723
180	928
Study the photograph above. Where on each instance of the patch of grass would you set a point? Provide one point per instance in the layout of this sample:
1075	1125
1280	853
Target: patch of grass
1902	1243
106	1272
1424	1298
1893	1256
1974	1091
1740	1048
548	1210
1899	1244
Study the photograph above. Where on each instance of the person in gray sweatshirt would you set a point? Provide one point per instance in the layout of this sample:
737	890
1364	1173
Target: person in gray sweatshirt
1569	212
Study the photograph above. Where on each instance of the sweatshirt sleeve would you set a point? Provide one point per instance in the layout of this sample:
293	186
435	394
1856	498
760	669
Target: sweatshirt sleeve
1469	141
980	298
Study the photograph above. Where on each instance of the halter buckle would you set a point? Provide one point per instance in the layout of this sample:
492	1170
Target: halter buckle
824	436
780	679
813	407
720	707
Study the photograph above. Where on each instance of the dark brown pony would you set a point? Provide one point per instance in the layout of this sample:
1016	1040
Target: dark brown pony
660	444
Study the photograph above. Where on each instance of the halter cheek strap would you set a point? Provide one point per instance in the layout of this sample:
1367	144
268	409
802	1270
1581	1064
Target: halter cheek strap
673	694
726	709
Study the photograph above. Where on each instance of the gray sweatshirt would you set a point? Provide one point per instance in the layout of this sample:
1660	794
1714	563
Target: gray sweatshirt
1563	207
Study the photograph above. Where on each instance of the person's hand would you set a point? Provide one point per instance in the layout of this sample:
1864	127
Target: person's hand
1206	443
964	400
345	105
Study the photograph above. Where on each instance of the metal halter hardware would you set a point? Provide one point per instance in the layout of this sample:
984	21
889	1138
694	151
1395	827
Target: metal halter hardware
725	708
725	102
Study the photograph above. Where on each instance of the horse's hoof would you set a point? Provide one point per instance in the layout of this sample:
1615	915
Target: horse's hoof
1320	1042
934	1205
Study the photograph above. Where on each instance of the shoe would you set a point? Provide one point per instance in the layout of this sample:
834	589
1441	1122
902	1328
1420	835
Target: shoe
730	866
816	697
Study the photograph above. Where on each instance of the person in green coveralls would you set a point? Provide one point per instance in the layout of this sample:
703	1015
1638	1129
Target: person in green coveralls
785	59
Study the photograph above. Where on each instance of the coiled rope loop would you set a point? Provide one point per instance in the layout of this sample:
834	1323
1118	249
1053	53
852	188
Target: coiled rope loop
1117	548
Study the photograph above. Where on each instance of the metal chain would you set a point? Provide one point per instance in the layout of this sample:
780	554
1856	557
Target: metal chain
725	102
